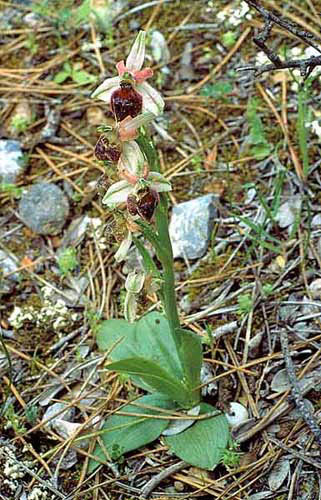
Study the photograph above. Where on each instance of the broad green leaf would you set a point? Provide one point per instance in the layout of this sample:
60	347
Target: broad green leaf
191	354
156	378
148	338
123	433
203	444
61	76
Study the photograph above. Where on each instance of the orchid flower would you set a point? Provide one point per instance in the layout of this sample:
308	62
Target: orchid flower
110	145
119	191
135	173
152	100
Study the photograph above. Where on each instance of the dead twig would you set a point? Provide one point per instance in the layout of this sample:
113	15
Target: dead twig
148	488
300	403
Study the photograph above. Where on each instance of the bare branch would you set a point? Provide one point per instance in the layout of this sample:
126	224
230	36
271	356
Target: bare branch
306	66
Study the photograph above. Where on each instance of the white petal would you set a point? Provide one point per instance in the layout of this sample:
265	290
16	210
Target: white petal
152	100
123	248
158	182
117	193
139	121
136	56
132	159
105	90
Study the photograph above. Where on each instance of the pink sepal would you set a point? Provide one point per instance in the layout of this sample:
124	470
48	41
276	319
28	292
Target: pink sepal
142	75
121	68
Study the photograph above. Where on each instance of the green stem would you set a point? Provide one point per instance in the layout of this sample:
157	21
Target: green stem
166	258
162	244
302	130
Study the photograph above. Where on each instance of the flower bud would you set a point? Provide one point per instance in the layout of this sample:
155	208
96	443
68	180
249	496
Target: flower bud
126	101
134	282
130	307
106	150
124	248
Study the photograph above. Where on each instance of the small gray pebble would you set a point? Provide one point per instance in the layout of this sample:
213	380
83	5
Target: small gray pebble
288	211
8	265
134	24
44	208
316	221
191	226
11	161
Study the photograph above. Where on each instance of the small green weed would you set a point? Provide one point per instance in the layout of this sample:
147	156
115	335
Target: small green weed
260	146
31	414
11	189
231	456
62	13
268	289
218	90
93	319
228	38
74	72
67	260
20	124
258	234
196	161
32	44
260	237
208	337
13	421
245	304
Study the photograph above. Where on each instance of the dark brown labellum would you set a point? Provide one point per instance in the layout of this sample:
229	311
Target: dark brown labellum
147	204
143	204
125	101
132	204
105	151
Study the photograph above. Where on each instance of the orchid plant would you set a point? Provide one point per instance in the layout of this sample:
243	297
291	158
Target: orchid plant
155	351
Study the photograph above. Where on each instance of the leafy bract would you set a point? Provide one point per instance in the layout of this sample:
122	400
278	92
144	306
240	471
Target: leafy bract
203	444
148	338
149	264
123	433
